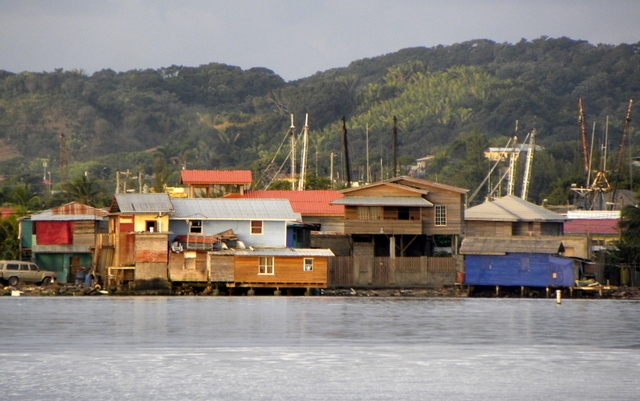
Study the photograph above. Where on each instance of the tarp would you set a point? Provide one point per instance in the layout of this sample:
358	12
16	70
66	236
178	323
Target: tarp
54	232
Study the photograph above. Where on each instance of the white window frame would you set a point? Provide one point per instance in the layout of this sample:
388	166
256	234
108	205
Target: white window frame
307	264
266	266
440	215
261	227
195	226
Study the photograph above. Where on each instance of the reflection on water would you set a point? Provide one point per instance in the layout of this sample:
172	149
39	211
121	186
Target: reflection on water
318	348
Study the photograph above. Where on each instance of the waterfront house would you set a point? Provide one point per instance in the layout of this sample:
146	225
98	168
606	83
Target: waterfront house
201	225
513	242
322	223
403	216
139	230
63	239
273	268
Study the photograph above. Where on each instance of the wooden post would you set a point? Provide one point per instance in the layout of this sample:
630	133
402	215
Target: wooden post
558	297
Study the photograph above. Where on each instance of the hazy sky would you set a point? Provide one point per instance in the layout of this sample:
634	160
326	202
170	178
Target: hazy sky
294	38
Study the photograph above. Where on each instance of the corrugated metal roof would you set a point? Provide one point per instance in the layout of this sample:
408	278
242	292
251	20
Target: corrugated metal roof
216	177
511	208
306	252
592	226
234	209
70	212
500	246
593	214
383	201
141	203
307	203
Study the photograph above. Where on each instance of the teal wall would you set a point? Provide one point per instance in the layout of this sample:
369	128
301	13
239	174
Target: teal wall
60	263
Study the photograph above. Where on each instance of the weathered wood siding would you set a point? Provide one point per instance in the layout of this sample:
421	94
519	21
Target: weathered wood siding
84	233
365	271
189	266
382	226
222	268
288	272
455	214
489	228
151	271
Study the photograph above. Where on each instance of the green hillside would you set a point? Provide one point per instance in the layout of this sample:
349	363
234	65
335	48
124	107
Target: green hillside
451	102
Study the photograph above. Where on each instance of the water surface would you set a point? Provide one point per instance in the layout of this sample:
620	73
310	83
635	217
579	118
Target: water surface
318	348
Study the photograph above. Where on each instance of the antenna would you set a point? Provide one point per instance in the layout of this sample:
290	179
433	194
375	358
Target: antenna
293	153
305	145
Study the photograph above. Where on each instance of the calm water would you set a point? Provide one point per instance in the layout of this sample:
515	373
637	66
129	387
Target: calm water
318	348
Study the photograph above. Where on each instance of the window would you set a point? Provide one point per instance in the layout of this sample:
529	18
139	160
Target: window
441	215
256	227
151	226
195	227
369	213
403	213
308	264
266	265
13	266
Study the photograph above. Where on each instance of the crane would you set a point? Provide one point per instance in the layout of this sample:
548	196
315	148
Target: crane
527	168
623	142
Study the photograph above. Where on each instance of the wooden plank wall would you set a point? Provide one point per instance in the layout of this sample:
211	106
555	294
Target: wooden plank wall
347	271
288	271
84	233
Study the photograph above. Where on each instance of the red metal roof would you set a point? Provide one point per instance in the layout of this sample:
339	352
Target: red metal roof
216	177
307	203
592	226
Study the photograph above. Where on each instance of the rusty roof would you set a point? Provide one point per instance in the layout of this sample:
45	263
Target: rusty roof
216	177
592	226
70	211
307	203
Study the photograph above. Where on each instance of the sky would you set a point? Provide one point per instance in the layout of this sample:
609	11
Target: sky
293	38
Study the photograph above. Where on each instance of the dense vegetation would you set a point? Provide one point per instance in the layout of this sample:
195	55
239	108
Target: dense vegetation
451	102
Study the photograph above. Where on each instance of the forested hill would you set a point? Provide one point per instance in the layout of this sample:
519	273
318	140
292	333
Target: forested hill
450	101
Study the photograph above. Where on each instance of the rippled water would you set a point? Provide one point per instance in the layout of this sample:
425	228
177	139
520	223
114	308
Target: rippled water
318	348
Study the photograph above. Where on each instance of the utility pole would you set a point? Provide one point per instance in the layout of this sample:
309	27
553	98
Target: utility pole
63	160
345	145
293	154
331	173
368	169
394	139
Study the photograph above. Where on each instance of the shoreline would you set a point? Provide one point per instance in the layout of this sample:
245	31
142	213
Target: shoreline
457	291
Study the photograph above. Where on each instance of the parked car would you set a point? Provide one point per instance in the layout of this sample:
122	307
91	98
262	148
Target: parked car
13	272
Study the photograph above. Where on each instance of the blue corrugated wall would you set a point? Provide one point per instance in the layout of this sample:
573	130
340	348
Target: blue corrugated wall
529	270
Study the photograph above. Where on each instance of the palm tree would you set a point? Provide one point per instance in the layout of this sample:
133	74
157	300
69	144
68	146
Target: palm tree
23	200
84	190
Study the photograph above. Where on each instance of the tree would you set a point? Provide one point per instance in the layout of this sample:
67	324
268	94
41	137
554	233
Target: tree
629	244
86	191
9	247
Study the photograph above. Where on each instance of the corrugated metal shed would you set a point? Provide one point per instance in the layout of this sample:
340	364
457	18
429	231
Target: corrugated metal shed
73	211
234	209
501	246
511	208
383	201
311	252
141	203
